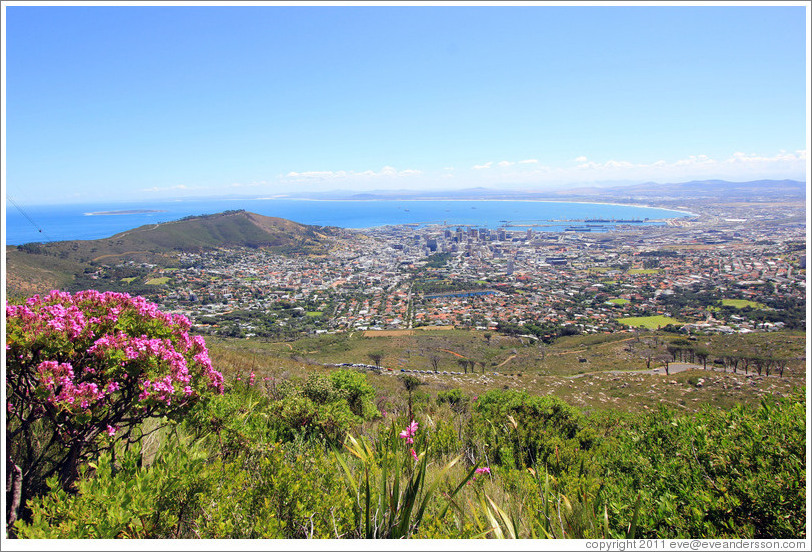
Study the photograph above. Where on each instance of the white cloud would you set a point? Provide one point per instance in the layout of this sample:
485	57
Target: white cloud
528	161
166	189
617	164
385	172
737	166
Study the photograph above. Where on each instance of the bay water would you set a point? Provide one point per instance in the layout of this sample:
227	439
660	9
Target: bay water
44	223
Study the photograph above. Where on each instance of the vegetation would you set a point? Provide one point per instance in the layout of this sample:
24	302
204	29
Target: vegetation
36	266
648	322
83	368
298	450
741	303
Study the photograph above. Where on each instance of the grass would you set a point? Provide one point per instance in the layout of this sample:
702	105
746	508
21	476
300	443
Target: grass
648	322
403	349
643	271
741	303
618	301
314	314
599	388
157	281
28	274
130	280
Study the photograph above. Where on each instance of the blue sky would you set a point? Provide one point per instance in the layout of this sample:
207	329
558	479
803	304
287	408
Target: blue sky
116	103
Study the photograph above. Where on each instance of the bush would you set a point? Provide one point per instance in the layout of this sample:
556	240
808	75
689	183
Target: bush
86	367
125	499
717	474
526	430
455	398
359	395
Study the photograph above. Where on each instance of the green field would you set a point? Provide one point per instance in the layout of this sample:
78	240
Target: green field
643	271
157	281
648	322
129	280
314	314
741	303
618	301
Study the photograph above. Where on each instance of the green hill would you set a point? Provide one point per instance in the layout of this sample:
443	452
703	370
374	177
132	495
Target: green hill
36	267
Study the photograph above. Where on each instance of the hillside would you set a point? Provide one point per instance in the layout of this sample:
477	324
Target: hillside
37	267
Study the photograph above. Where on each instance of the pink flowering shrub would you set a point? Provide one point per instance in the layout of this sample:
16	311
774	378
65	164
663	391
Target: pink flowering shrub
90	366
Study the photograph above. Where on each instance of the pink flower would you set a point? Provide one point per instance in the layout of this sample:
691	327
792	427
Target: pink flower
414	454
480	471
111	430
110	338
409	432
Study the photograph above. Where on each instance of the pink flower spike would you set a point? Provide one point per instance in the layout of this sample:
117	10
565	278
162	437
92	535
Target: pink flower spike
414	454
409	432
483	470
111	430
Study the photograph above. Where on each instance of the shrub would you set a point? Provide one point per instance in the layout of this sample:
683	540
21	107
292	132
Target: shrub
717	474
125	499
359	395
86	367
455	398
525	430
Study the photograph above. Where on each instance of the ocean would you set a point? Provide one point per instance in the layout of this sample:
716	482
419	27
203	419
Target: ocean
94	221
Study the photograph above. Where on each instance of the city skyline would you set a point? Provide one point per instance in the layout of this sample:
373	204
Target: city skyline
154	102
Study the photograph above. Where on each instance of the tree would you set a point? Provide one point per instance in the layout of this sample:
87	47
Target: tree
487	336
702	354
410	383
376	357
84	371
543	348
435	361
463	362
648	349
665	361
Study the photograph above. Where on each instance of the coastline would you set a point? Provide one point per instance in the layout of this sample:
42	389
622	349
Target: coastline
125	212
525	200
98	221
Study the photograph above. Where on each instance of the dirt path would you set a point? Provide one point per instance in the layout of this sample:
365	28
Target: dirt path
118	254
453	353
508	359
674	368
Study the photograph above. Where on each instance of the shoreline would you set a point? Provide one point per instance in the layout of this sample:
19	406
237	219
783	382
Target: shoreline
125	212
526	200
69	222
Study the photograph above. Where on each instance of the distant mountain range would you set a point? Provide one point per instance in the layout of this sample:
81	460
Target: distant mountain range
704	189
